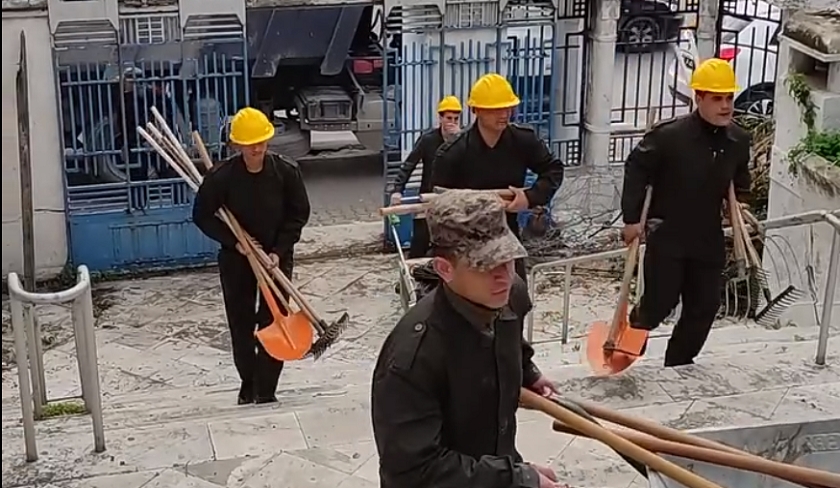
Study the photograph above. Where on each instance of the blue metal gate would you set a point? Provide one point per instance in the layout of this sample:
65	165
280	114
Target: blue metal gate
430	54
126	208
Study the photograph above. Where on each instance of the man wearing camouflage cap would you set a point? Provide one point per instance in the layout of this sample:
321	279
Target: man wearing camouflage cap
446	384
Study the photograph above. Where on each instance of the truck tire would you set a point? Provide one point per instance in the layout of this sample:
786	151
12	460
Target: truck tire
289	140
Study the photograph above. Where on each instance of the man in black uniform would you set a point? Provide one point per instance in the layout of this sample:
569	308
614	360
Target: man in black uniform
266	194
446	383
449	115
690	162
496	154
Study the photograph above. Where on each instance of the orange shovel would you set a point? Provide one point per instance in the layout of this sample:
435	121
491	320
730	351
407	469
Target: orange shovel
288	337
613	347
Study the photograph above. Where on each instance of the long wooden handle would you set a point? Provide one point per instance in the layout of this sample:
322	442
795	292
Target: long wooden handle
621	445
409	208
789	472
505	193
734	221
414	208
653	428
629	268
749	248
750	219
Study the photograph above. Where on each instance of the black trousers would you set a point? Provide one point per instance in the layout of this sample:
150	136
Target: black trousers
420	240
669	279
258	371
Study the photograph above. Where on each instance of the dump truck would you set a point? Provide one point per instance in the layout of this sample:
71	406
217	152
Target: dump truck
316	71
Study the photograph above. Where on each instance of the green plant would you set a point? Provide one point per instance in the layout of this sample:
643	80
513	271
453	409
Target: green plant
800	90
63	409
823	143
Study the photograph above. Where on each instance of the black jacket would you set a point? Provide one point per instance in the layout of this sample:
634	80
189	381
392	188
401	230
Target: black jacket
423	152
467	162
445	394
272	205
690	164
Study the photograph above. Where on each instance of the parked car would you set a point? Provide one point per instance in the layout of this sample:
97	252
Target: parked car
749	42
643	25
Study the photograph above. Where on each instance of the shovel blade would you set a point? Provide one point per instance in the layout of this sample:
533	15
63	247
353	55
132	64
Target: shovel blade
628	347
288	338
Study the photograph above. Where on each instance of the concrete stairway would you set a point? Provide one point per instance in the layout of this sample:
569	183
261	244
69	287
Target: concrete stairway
755	374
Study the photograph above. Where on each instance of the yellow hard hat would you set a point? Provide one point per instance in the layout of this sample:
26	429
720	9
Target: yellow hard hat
714	75
492	91
449	103
250	126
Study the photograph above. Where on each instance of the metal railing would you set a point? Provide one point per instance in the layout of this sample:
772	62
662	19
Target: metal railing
29	354
830	217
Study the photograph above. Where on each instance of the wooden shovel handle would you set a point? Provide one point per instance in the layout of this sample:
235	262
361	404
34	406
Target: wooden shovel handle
735	222
505	193
629	268
796	474
408	208
652	428
414	208
267	285
750	219
749	248
619	444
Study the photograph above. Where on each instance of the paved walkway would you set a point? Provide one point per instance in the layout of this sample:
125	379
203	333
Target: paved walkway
169	388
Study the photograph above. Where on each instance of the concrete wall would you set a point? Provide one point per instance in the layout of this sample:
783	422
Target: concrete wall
792	250
47	174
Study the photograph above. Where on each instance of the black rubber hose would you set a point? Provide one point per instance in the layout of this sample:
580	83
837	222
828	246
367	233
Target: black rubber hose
579	411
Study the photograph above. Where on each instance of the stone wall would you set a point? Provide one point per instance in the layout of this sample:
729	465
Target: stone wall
45	150
794	254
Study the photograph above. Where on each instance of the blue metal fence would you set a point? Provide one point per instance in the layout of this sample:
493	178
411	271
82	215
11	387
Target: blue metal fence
431	54
126	208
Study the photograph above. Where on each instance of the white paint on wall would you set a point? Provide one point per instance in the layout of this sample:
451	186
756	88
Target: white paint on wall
47	164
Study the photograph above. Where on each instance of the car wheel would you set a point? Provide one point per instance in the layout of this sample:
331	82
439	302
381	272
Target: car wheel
756	102
640	34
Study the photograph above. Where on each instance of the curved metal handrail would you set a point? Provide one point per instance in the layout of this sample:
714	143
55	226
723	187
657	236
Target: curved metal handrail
17	292
29	354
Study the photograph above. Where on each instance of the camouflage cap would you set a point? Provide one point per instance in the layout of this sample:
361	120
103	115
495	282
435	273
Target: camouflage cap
472	225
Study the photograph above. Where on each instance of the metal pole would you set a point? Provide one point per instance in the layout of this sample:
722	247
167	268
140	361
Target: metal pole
828	301
34	364
18	328
94	400
567	293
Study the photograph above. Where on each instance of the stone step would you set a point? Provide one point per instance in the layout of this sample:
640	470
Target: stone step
198	425
331	383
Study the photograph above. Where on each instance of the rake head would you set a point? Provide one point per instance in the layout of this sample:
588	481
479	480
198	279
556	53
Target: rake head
776	307
330	335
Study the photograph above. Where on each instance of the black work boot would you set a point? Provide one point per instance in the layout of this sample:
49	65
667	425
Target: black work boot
261	399
246	393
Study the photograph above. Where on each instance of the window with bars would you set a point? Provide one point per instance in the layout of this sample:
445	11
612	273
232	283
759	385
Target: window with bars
149	29
466	15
